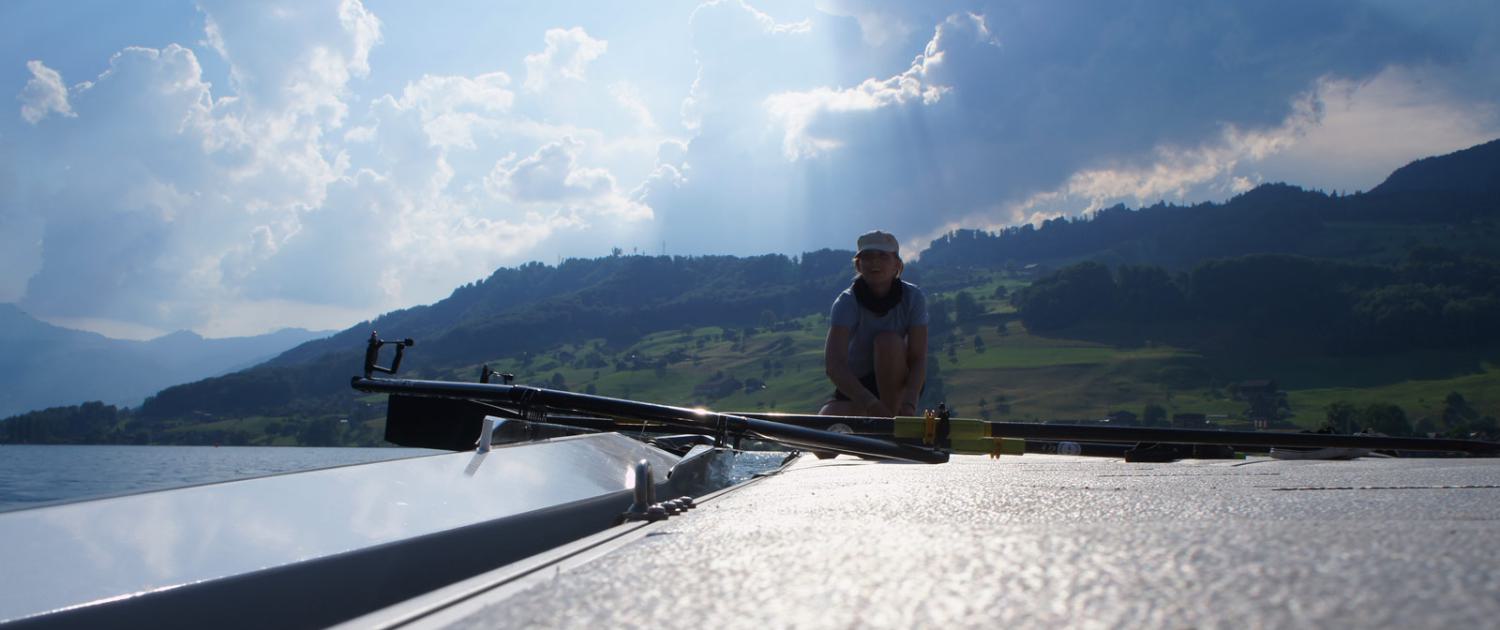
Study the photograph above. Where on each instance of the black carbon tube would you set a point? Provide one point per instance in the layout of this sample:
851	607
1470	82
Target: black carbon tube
706	422
1091	433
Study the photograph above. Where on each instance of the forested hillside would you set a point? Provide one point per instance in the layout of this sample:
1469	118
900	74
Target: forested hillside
528	309
1435	299
1452	201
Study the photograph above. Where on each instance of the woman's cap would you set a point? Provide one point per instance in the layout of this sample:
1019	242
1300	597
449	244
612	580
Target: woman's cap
878	241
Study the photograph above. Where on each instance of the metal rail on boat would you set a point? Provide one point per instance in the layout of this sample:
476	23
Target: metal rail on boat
308	549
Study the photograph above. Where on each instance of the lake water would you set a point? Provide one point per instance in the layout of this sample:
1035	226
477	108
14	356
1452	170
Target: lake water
33	475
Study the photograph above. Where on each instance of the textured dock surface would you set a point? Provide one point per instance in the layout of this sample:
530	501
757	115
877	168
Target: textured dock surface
1051	541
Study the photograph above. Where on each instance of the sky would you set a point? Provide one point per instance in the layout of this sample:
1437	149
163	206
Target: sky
234	168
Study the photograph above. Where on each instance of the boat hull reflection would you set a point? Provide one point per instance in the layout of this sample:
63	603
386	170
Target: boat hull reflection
313	548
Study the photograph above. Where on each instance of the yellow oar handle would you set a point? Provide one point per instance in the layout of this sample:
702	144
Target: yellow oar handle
994	447
965	435
921	428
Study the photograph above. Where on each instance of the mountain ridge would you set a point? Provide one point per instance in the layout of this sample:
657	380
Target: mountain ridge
1471	170
51	365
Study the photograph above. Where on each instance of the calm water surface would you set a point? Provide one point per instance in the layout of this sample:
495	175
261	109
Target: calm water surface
34	475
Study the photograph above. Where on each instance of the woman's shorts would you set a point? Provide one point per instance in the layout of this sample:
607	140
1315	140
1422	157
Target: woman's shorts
868	381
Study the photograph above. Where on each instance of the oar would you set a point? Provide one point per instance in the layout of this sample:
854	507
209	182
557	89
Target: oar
699	421
913	428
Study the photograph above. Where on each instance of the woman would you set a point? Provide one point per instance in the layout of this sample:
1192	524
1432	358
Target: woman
876	353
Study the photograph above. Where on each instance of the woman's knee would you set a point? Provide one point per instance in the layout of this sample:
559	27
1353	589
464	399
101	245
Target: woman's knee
890	345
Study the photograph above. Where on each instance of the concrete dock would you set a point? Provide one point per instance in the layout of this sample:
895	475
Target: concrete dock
1037	540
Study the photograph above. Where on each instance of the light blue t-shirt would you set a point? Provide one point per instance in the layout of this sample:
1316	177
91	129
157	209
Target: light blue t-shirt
864	324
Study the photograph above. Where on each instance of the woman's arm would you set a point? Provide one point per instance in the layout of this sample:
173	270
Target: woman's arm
836	365
916	369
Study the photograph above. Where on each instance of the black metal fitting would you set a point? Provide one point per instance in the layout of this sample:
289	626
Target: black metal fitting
372	354
944	427
644	506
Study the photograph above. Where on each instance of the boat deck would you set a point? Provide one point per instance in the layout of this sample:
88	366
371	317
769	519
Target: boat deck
1040	540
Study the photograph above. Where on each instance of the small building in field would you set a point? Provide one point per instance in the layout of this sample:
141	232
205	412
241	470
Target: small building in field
1265	403
1190	421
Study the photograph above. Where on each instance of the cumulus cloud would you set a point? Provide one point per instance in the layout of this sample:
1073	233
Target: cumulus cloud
43	94
567	56
453	108
320	47
418	215
669	173
182	191
796	111
742	54
879	25
195	204
552	175
377	243
129	218
629	99
436	196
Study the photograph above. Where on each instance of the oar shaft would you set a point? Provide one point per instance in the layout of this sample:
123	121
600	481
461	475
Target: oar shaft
706	422
907	427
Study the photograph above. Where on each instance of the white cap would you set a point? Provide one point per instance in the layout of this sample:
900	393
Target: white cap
878	241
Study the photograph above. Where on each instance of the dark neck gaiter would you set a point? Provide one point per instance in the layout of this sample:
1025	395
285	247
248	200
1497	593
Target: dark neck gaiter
877	305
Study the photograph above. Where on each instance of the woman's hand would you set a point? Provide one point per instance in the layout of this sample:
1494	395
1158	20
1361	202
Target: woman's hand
877	409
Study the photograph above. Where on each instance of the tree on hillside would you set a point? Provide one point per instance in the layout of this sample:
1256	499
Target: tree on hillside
89	423
1146	293
1270	292
768	319
1460	419
1339	417
1399	316
1437	266
1073	294
319	432
939	320
1384	418
1485	428
1456	410
1471	320
966	309
1154	415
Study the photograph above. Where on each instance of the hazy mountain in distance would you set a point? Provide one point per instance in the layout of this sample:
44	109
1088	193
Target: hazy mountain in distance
44	365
